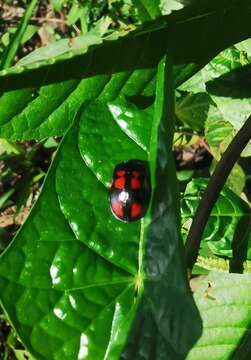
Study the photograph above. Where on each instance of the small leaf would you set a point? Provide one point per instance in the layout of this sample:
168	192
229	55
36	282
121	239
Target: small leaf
218	132
57	4
225	222
74	13
236	179
192	110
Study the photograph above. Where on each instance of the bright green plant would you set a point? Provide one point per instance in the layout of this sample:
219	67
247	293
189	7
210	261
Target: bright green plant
75	282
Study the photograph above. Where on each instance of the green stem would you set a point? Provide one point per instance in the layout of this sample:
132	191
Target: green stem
213	190
10	52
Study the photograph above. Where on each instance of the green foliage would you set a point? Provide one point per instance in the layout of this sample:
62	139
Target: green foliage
88	237
10	51
88	280
228	225
225	81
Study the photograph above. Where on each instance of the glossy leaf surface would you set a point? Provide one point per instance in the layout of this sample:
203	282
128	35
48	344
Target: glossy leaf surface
78	269
165	303
51	84
76	295
25	114
206	13
226	61
224	304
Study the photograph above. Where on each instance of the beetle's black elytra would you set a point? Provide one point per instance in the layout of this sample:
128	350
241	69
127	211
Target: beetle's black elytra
130	190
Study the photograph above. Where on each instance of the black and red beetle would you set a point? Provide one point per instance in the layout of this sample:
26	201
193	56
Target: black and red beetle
130	190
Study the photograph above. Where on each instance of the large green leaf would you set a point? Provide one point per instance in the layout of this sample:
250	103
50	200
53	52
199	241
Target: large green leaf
228	225
81	273
53	80
79	288
25	114
159	331
224	303
181	26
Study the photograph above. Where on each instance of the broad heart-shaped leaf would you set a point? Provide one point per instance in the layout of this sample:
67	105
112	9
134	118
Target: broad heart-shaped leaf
164	251
78	269
224	303
228	226
46	91
165	303
69	295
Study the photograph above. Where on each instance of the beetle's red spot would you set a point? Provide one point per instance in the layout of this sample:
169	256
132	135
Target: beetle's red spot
120	173
135	184
136	210
136	174
118	209
119	183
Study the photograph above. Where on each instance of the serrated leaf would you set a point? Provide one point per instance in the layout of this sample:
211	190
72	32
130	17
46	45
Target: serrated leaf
61	68
224	304
228	224
226	61
51	111
183	28
192	110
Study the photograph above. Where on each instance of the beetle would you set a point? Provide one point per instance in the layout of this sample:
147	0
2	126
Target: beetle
130	190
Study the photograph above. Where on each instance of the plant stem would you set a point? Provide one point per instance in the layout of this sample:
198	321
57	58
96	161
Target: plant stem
213	190
11	50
